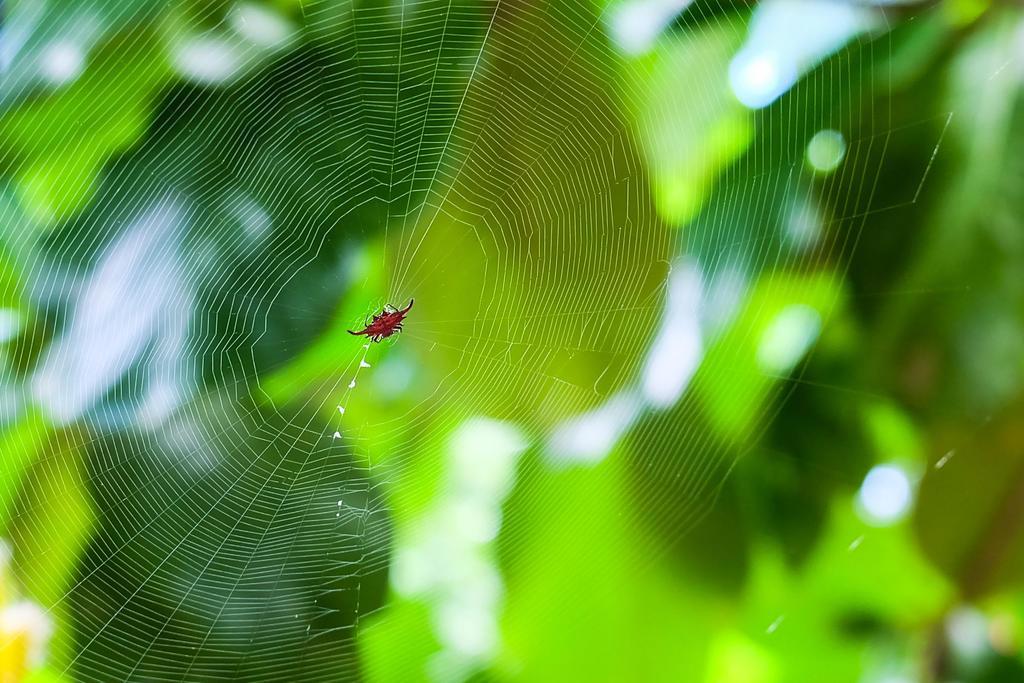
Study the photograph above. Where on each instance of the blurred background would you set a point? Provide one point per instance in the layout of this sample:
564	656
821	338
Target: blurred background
715	371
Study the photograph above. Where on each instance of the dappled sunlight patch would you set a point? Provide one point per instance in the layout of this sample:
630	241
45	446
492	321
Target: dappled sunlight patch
636	24
885	496
445	556
690	127
787	338
207	59
26	629
683	396
826	150
62	62
589	437
261	25
786	38
678	347
735	658
777	326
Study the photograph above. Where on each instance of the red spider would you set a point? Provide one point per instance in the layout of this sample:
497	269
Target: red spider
385	323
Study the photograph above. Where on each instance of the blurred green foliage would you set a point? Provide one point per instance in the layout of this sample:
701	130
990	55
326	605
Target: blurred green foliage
193	214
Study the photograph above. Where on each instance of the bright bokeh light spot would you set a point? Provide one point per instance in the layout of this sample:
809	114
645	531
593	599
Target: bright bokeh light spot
785	39
253	217
206	59
885	495
678	348
826	150
446	666
591	436
726	288
163	397
10	324
673	360
758	79
804	224
136	289
967	630
473	519
467	629
449	558
394	376
636	24
735	657
761	73
484	454
787	338
261	25
29	625
411	571
634	28
62	62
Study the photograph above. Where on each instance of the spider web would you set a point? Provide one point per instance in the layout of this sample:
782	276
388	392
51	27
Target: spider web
261	482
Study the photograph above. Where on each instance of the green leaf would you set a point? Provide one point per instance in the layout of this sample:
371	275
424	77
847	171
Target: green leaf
582	602
62	141
857	581
691	125
21	444
396	644
49	533
287	554
779	322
